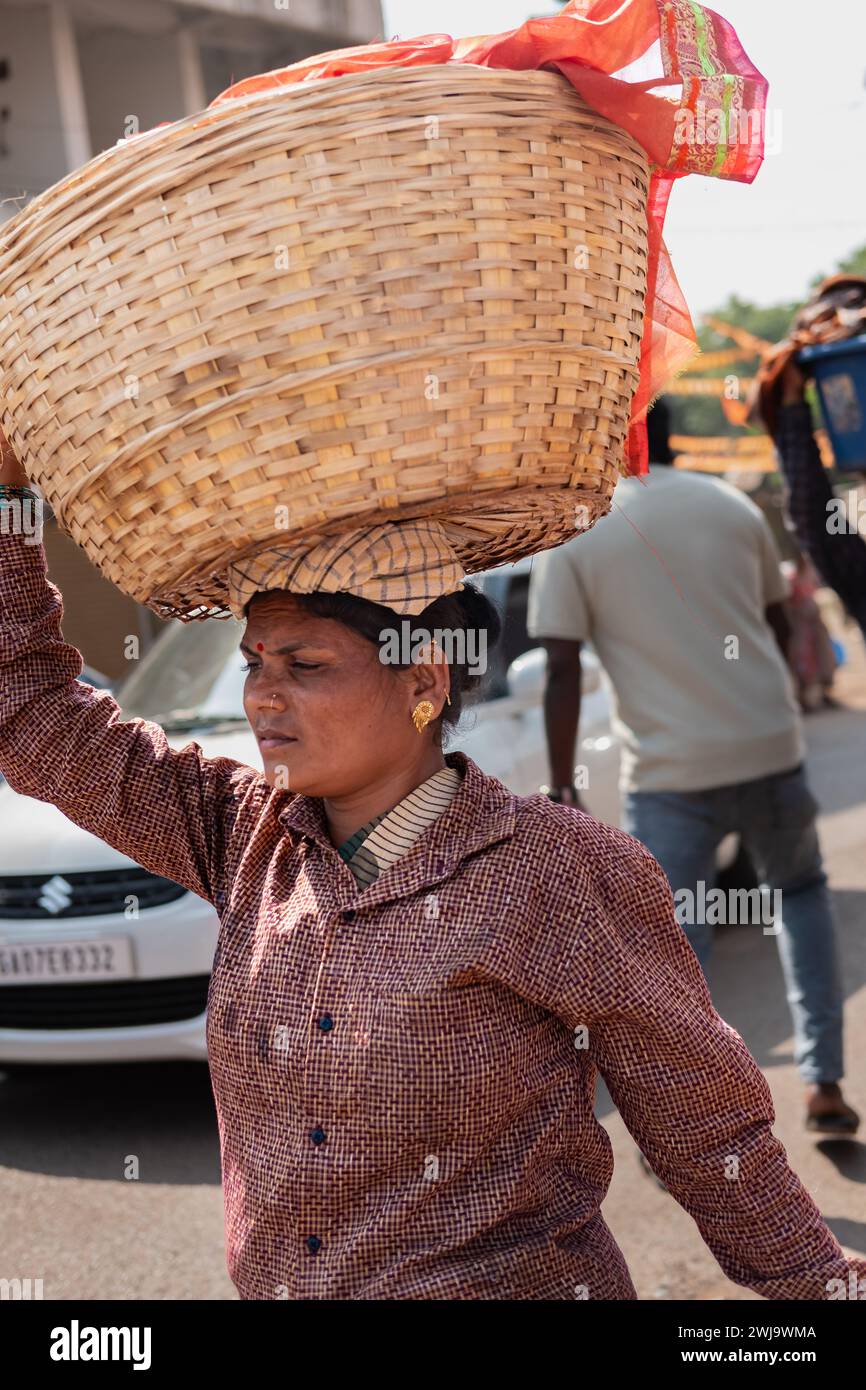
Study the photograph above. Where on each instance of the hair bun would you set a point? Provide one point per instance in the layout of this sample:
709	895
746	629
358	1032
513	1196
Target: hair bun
479	612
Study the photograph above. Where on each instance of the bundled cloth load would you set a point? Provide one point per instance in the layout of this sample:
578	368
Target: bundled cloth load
420	282
827	340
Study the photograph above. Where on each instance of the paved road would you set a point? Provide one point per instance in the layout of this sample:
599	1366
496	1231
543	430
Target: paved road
69	1216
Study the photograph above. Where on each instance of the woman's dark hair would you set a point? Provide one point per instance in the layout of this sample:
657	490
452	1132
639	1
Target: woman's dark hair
658	429
466	611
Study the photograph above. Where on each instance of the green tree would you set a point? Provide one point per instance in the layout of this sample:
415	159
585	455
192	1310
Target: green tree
854	264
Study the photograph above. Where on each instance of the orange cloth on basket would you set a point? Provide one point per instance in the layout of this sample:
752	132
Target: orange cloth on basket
617	54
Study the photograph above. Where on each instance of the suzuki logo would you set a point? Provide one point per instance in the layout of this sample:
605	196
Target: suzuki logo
55	895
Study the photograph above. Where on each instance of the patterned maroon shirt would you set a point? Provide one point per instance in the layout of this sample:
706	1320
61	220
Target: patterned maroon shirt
405	1075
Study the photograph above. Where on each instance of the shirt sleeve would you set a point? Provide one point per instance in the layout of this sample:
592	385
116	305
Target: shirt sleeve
690	1092
64	742
557	604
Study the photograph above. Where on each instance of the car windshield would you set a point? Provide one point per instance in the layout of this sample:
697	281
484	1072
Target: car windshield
192	676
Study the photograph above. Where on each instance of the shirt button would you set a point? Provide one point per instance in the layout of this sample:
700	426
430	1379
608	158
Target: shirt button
318	1135
326	1023
314	1244
349	914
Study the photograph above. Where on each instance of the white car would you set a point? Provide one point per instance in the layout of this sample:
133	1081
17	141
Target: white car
85	979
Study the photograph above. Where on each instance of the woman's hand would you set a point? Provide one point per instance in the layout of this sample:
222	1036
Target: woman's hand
11	472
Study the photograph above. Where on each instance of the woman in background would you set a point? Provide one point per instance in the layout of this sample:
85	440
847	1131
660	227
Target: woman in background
810	650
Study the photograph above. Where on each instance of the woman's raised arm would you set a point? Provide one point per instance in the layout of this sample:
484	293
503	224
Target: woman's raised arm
64	742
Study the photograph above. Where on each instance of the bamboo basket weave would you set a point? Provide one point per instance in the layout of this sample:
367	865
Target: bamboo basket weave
409	292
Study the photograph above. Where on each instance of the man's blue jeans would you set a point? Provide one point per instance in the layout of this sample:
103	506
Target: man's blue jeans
775	817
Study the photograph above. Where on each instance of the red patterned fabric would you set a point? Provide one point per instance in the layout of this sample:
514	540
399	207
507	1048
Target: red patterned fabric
405	1076
714	124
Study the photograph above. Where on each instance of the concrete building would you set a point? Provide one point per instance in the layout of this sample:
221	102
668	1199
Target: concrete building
76	76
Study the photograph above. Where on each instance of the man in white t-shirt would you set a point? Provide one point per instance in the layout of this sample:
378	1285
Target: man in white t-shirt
680	592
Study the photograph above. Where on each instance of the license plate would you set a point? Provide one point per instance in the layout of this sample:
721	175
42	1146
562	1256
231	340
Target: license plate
66	962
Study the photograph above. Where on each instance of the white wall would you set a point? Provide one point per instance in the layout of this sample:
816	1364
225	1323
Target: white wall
128	74
137	71
34	137
357	19
364	18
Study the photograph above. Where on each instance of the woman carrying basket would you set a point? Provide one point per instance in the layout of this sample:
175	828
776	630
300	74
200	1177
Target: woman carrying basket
418	975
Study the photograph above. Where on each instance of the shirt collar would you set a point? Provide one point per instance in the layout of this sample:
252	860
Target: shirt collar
414	809
481	812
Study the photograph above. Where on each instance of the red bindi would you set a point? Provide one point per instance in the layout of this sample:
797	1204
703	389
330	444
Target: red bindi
259	647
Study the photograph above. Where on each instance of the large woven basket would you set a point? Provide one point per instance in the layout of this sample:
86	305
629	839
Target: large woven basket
415	291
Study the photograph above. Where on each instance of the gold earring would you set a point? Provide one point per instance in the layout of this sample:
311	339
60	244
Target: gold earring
422	714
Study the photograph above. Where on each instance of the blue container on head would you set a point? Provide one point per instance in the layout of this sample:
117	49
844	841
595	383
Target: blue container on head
839	370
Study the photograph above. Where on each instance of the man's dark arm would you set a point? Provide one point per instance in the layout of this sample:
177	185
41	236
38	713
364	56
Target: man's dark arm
562	707
780	623
840	558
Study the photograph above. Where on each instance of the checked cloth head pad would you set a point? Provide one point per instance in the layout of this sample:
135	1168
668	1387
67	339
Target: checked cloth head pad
404	565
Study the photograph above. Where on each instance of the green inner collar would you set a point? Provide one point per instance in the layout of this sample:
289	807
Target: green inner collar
349	847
